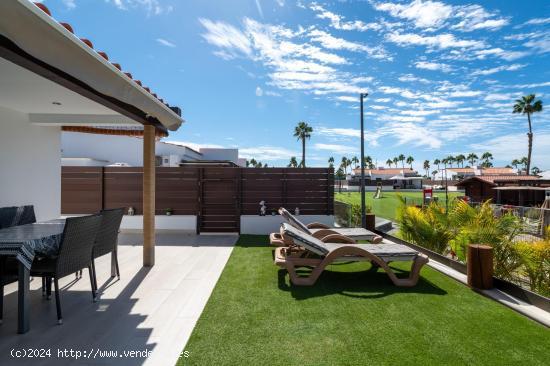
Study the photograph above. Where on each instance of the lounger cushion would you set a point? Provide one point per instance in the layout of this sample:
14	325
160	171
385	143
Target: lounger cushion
307	241
356	233
385	250
292	220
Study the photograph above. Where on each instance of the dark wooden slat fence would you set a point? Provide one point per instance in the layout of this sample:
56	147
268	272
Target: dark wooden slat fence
217	195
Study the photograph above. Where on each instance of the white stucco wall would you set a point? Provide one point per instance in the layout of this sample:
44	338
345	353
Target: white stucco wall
186	223
115	149
30	165
264	225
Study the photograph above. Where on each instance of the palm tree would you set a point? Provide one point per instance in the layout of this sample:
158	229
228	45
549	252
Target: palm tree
427	167
437	162
344	164
340	176
355	161
395	160
389	162
303	132
527	105
487	157
535	170
293	162
434	173
253	162
515	163
410	160
523	162
450	160
401	158
460	160
472	159
368	162
331	162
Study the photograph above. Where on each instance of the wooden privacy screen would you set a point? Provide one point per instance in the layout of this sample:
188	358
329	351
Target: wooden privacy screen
217	195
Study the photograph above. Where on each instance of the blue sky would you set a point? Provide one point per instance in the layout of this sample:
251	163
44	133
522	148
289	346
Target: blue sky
441	76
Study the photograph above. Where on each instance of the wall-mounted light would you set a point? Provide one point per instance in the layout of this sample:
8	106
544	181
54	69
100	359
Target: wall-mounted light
56	103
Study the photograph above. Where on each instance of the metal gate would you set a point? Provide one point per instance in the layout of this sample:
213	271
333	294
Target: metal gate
219	203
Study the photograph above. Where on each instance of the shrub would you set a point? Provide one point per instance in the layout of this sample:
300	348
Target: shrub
535	258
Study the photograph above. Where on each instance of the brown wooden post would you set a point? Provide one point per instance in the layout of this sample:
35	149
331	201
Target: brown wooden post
480	266
148	196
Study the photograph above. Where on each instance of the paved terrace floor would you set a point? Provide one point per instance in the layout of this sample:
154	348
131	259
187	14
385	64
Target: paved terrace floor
153	309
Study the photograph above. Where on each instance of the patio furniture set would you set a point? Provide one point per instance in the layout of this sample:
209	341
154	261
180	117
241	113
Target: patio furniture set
316	246
52	250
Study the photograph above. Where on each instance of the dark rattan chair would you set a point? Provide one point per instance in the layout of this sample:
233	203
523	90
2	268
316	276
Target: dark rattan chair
8	274
25	215
107	238
75	253
7	216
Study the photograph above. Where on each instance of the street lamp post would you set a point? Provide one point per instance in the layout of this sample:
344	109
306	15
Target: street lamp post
363	207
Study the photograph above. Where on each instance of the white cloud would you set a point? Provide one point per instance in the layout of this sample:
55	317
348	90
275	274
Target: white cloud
433	66
514	146
494	70
338	22
152	7
420	112
70	4
499	52
259	91
383	100
441	41
412	78
537	21
336	148
433	15
345	98
267	153
166	43
465	93
428	14
496	96
227	37
329	41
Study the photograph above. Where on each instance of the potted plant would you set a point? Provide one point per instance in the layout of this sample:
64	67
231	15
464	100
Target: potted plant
169	212
370	218
273	212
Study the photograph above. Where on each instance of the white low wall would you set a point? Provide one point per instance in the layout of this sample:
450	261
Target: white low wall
263	225
162	222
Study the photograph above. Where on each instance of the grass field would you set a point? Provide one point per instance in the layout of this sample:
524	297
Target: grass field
255	317
385	207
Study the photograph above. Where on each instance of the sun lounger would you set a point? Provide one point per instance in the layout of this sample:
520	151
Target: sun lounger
314	253
319	230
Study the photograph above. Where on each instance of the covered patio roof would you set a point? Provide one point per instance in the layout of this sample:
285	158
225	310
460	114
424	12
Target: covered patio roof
84	87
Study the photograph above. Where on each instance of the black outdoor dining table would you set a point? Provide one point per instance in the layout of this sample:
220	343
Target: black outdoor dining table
25	242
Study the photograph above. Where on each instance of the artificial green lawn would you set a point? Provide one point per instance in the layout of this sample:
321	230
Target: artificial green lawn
254	317
386	206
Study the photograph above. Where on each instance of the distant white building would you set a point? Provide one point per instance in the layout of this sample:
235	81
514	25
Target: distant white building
86	149
461	173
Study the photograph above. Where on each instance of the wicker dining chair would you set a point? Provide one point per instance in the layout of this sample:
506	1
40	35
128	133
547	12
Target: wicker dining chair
25	215
75	253
8	274
107	238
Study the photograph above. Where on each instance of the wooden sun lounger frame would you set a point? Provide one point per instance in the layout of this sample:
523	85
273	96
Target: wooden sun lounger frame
291	259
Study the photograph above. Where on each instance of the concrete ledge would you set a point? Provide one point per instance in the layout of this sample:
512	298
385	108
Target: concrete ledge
264	225
185	223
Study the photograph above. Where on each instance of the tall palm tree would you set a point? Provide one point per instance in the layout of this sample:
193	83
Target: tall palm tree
293	162
535	170
344	164
487	157
515	163
472	159
460	160
437	162
427	167
389	162
401	158
331	162
395	160
527	105
523	162
450	160
434	173
368	162
355	161
303	132
410	160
